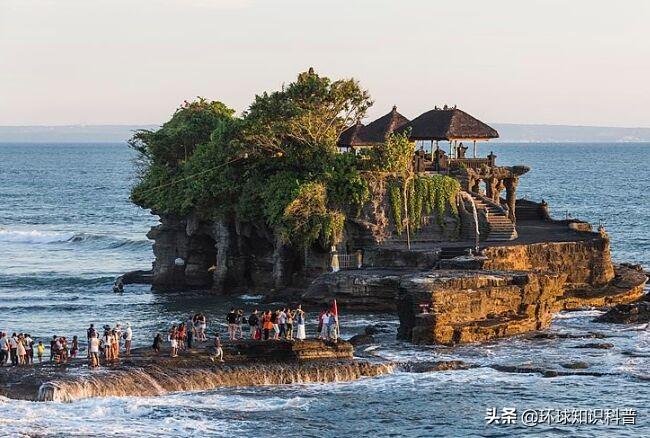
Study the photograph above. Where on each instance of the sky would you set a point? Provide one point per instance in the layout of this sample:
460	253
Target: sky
572	62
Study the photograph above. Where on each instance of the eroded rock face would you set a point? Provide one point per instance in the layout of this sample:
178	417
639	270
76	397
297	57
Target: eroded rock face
473	306
585	262
216	256
470	306
367	289
626	286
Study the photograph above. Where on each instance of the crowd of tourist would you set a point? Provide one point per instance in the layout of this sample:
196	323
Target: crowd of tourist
182	336
17	349
283	323
108	345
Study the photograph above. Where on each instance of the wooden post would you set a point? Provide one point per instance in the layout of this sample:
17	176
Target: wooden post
474	148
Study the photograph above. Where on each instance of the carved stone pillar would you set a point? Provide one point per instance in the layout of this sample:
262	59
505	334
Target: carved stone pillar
476	185
511	196
491	185
500	187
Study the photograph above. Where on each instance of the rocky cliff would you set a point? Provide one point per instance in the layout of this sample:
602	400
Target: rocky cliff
218	255
585	262
225	255
469	306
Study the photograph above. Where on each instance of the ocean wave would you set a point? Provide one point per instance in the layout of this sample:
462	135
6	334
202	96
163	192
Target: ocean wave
53	280
33	236
102	241
97	241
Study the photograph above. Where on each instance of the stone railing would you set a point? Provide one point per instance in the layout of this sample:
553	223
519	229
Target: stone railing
423	161
470	163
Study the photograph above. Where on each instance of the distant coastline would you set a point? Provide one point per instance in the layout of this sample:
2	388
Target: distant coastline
509	133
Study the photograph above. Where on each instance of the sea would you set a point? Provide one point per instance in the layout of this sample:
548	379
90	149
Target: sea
67	230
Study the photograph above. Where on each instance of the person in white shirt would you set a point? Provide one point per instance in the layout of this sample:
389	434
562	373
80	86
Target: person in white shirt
108	340
128	336
325	319
29	348
93	344
13	346
4	349
282	323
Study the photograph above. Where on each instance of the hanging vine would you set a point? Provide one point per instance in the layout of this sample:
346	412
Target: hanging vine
396	204
425	195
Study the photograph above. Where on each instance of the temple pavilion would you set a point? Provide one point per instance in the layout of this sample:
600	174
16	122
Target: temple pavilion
451	126
440	137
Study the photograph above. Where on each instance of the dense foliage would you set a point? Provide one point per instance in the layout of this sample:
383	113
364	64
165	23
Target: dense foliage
277	165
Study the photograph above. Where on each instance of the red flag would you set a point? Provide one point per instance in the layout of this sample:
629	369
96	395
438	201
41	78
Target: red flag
335	309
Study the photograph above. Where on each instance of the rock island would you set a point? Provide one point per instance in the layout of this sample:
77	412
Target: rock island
298	197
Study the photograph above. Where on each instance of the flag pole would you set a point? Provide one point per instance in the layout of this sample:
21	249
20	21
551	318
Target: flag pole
336	315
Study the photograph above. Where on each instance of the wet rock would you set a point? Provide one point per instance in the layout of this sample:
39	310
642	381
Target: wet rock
373	329
146	373
137	277
595	335
284	296
362	339
365	289
635	313
426	367
544	372
596	345
576	365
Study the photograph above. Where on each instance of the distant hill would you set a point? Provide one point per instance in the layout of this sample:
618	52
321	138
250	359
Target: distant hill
516	133
508	132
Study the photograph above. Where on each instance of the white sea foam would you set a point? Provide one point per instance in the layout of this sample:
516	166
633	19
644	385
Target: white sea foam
578	314
251	297
181	414
33	236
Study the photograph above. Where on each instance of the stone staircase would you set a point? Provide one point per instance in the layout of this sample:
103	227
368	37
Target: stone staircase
501	227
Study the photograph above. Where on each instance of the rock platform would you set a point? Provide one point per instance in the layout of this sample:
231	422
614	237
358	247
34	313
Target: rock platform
146	373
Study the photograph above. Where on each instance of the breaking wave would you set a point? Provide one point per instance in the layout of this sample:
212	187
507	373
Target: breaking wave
33	236
96	241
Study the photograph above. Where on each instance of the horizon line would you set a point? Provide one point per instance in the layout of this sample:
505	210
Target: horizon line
88	125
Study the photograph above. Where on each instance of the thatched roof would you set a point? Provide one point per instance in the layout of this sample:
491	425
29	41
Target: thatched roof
448	124
351	136
374	132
